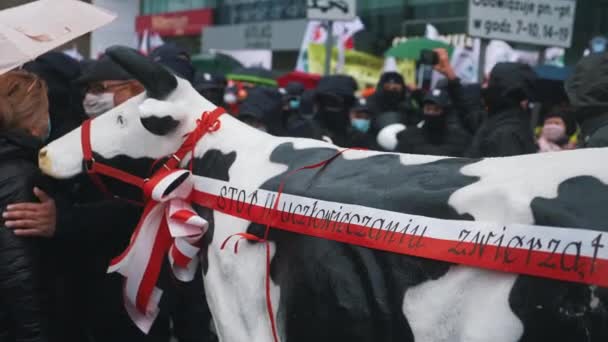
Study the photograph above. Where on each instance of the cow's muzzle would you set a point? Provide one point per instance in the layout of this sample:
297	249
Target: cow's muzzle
44	162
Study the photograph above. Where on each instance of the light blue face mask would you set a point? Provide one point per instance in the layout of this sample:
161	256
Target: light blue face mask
48	132
361	125
294	104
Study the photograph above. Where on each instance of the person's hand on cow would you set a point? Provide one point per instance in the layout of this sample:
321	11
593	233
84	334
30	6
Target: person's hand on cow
444	67
32	219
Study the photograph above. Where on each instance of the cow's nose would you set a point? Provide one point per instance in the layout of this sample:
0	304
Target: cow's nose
43	161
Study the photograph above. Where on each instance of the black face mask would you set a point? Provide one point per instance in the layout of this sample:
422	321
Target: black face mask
435	127
393	97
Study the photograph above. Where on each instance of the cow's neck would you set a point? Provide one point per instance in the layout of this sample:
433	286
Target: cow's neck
243	154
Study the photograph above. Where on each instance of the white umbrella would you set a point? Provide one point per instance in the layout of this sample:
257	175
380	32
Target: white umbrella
30	30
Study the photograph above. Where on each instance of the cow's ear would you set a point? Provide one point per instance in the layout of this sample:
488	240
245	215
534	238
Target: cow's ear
160	117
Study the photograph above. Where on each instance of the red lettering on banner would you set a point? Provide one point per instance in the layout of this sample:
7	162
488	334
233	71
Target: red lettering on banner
501	251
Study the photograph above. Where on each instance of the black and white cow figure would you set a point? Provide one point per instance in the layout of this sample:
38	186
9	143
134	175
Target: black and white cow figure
328	291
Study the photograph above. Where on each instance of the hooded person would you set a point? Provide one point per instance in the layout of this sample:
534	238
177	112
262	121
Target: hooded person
439	133
507	130
106	86
292	95
587	89
262	109
391	95
302	124
359	133
211	86
334	97
176	59
558	127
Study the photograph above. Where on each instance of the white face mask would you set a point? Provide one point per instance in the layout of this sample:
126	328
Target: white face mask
97	104
230	98
554	132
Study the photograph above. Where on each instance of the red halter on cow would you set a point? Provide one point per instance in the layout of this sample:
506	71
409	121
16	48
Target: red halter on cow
369	246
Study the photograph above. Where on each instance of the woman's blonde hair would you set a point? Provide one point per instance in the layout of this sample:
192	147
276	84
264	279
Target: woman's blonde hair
24	104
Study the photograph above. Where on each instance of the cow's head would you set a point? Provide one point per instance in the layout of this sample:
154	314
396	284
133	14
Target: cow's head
132	135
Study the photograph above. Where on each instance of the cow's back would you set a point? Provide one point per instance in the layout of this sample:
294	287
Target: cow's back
333	291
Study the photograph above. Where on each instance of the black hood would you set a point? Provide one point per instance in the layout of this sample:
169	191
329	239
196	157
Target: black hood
383	101
513	80
59	71
294	89
266	105
335	86
390	77
587	87
509	84
342	85
307	102
18	145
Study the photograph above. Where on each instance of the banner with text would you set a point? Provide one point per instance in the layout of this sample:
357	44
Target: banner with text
577	255
364	68
537	22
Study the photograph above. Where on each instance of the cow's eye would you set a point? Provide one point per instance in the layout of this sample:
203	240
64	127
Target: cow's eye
121	121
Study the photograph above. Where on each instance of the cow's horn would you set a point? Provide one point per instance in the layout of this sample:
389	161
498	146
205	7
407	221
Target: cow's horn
157	80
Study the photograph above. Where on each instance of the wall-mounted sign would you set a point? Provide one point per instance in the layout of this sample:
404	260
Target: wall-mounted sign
537	22
175	23
273	35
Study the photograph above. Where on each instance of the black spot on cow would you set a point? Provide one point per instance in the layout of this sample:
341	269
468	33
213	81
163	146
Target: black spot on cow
338	292
213	164
159	126
140	167
580	203
559	311
553	310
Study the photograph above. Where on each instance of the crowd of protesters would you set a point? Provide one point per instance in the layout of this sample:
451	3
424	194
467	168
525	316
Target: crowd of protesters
58	237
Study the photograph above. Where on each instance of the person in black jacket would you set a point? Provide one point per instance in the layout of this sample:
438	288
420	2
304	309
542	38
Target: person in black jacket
334	97
84	223
587	90
211	86
507	131
80	222
263	109
302	124
359	133
24	124
392	96
439	134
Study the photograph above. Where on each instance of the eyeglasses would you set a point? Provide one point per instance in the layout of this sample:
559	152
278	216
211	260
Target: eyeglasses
106	86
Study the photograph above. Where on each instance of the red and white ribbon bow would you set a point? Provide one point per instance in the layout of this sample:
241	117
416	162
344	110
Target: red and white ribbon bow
168	226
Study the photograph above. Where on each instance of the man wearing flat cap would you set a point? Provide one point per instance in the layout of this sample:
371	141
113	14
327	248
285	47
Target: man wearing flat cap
106	85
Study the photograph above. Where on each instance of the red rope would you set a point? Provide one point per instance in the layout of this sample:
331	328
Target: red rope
254	238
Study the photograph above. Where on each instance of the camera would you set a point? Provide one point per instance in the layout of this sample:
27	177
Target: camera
429	57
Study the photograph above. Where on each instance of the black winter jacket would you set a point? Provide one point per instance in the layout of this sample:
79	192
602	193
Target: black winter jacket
505	133
594	131
22	317
449	140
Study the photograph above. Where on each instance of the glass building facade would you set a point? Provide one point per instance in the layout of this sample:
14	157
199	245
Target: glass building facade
384	19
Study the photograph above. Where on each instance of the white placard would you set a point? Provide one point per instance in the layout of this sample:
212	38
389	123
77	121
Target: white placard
332	9
537	22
